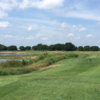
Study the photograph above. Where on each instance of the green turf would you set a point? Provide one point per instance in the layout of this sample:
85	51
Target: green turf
73	79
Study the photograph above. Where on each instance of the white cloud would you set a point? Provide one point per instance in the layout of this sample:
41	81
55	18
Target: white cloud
4	24
71	35
84	15
30	38
3	14
74	26
68	27
50	4
83	29
79	9
45	38
29	28
42	4
11	37
64	25
7	36
24	4
39	35
19	37
33	27
90	36
8	4
79	27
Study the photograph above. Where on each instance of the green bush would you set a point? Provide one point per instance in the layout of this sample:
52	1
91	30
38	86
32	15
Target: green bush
12	63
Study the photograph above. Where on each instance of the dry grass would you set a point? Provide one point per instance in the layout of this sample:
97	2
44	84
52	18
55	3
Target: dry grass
51	66
30	57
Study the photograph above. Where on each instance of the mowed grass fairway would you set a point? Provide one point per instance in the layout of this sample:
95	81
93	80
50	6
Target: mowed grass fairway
72	79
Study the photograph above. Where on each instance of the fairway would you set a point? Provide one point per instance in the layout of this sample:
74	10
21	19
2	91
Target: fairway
71	79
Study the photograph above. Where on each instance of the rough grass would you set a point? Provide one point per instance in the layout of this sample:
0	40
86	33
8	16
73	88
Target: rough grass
73	79
25	66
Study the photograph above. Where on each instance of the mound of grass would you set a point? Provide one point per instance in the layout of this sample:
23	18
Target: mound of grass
25	66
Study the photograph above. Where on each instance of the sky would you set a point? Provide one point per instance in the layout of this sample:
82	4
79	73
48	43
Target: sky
30	22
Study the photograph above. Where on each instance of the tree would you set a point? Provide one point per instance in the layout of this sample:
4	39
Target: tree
12	48
44	47
87	48
3	47
51	47
80	48
22	48
94	48
39	46
34	48
28	48
58	46
70	47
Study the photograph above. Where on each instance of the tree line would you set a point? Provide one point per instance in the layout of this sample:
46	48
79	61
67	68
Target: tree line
42	47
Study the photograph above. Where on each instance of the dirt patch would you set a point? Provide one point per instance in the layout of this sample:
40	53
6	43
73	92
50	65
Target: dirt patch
31	57
51	66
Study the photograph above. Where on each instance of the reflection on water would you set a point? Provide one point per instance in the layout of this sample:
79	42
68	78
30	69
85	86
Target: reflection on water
11	54
4	60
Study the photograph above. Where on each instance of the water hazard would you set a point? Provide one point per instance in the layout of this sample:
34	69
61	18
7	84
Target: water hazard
11	54
4	60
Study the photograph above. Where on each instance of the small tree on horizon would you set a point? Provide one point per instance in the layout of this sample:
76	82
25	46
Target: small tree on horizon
80	48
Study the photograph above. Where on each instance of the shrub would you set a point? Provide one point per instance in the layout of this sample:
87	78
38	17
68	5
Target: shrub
12	63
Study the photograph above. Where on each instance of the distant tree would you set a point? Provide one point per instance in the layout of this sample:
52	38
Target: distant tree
34	48
69	47
22	48
80	48
39	47
62	46
87	48
28	48
94	48
51	47
58	46
12	48
44	47
3	47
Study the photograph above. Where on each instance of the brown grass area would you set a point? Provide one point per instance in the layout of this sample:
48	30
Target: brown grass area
51	66
89	52
31	57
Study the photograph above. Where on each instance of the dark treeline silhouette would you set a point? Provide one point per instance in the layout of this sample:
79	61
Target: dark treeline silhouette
66	47
42	47
9	48
88	48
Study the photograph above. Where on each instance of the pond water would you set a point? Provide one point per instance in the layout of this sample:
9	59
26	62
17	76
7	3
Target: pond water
4	60
11	54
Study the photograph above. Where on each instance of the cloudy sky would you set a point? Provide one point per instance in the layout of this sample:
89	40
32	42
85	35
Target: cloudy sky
29	22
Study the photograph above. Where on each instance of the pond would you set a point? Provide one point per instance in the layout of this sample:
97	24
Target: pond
11	54
4	60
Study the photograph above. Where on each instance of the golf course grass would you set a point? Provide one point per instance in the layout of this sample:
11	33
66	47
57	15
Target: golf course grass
71	79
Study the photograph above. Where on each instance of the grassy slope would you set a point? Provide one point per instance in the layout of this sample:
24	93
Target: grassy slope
73	79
